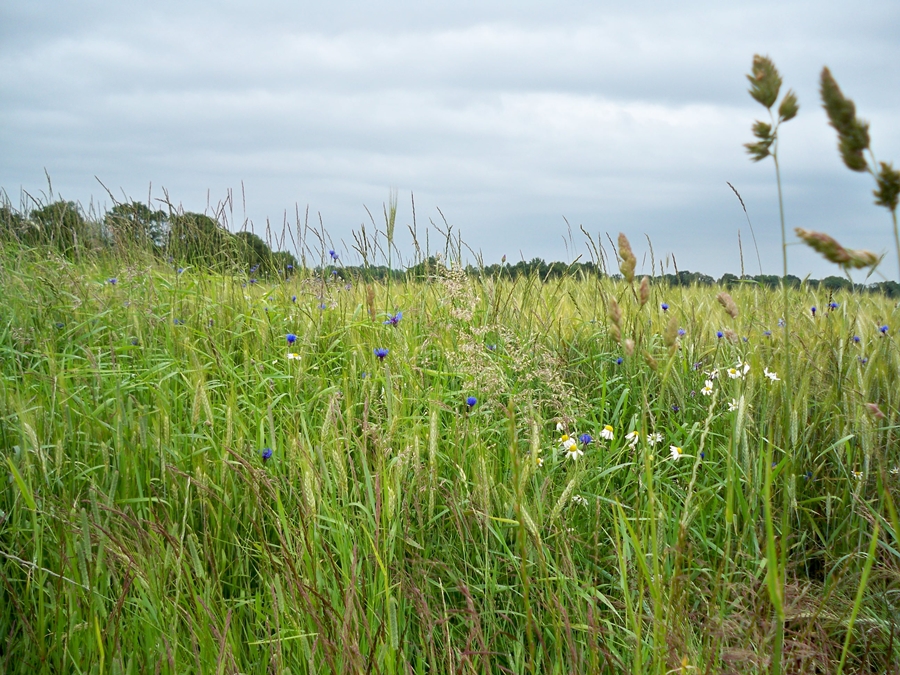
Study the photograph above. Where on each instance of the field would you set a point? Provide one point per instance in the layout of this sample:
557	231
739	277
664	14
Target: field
444	472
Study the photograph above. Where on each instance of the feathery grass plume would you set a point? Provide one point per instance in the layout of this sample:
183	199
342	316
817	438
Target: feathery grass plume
853	141
671	334
370	302
832	251
629	262
615	332
730	335
654	366
615	312
727	303
628	345
853	134
765	83
644	294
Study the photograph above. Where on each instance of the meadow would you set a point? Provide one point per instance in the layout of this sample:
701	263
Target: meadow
220	459
445	472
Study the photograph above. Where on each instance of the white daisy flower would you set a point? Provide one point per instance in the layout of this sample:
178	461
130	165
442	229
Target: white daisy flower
293	357
707	388
771	375
733	405
676	451
654	438
633	437
607	433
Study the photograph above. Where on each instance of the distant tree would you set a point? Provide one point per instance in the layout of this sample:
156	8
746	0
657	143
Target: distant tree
254	252
62	225
199	240
135	224
835	283
13	225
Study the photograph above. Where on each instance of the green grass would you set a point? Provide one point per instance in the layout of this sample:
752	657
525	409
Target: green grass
394	530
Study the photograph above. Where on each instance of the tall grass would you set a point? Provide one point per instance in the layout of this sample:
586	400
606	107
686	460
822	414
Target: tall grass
183	497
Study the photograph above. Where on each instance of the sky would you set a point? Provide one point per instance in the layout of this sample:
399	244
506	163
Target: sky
515	122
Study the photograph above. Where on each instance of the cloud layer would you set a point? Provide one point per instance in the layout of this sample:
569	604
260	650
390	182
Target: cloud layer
506	118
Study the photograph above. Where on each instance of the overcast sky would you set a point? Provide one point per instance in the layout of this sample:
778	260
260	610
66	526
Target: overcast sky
506	116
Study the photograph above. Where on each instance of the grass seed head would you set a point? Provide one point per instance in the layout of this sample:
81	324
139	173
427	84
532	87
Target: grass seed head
853	134
644	294
629	262
615	312
765	82
832	251
728	304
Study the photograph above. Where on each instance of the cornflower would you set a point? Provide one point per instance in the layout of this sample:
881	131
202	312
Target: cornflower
813	310
665	307
884	329
833	305
394	319
266	454
333	254
471	401
585	439
291	338
381	352
112	281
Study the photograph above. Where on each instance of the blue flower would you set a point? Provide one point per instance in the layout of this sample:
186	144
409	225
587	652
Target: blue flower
665	306
833	305
134	341
293	298
863	360
471	401
585	439
720	334
703	455
808	475
619	361
697	366
856	339
254	268
781	323
675	407
334	273
682	332
252	281
112	280
813	310
266	454
291	338
290	268
381	352
59	324
492	348
394	319
178	322
333	254
767	333
884	329
322	305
